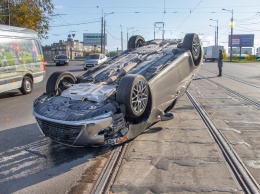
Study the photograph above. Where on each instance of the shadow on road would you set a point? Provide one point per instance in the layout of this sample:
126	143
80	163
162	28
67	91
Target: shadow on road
10	94
28	158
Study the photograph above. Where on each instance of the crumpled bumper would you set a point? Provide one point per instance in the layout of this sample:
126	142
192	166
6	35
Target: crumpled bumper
75	133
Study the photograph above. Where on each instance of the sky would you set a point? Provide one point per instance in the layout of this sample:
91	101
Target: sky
138	17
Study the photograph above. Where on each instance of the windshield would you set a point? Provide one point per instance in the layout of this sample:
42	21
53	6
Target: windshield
62	57
94	56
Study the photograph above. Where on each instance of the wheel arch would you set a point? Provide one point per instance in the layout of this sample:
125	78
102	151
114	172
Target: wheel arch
28	75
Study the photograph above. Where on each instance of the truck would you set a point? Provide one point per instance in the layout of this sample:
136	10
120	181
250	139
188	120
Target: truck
211	52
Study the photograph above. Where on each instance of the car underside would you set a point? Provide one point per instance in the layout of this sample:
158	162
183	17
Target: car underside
123	97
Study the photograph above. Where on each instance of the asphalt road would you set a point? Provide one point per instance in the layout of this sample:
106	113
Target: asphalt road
31	163
26	157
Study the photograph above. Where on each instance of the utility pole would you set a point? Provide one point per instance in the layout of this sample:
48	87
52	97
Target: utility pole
101	38
8	13
101	33
159	26
232	25
216	32
121	38
105	38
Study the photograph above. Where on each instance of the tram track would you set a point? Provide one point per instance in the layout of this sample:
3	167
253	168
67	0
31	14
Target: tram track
235	79
108	175
242	174
253	102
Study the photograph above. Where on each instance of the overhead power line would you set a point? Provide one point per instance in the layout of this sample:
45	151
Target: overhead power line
75	24
191	11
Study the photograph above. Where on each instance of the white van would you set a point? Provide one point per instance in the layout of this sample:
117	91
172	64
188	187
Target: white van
21	59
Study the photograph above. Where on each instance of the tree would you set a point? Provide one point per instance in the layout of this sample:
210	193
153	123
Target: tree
225	54
31	14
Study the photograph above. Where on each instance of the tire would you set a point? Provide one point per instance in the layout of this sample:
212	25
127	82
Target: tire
133	92
57	64
135	41
59	81
192	42
85	69
27	85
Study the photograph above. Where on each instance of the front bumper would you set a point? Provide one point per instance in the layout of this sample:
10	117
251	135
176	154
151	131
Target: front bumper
62	62
83	133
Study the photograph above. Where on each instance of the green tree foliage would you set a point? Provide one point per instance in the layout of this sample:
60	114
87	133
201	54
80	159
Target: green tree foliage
112	53
251	58
31	14
225	54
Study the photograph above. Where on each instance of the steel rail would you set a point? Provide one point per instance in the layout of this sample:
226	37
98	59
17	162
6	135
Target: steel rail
233	92
111	170
235	79
244	177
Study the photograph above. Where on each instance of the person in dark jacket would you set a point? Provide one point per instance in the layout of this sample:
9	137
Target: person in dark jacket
220	63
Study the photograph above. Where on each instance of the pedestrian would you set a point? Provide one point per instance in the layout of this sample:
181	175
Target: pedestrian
220	63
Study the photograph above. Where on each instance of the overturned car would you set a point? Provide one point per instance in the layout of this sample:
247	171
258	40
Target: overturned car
123	97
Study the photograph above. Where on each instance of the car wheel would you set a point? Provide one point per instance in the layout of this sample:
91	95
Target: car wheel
57	64
85	69
135	41
59	81
27	85
192	42
133	92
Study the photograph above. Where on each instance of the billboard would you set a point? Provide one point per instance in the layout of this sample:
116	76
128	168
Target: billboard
241	40
91	39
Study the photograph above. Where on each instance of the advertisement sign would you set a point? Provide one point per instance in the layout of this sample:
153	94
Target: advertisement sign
241	40
91	39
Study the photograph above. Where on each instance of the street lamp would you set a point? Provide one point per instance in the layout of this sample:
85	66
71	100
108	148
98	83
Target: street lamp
215	34
105	38
121	38
127	32
101	40
216	37
232	25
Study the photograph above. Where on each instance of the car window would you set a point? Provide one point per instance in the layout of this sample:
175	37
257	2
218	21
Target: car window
62	57
94	56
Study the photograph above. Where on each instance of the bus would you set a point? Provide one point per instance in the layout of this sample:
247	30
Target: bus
21	59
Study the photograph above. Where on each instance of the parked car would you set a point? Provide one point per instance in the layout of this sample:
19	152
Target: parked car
93	61
118	101
62	60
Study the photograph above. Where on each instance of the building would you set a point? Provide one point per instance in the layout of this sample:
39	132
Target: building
71	48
